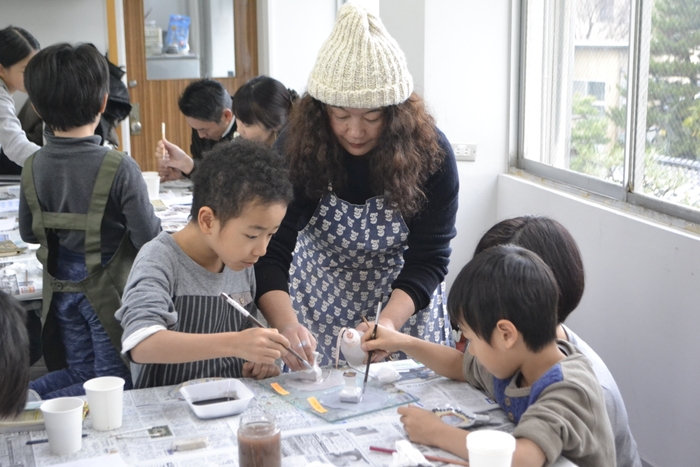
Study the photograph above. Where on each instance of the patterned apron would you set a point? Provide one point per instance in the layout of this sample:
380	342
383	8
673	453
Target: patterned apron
345	260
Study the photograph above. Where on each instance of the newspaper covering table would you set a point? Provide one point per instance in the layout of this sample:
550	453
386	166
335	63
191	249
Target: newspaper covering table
154	418
20	274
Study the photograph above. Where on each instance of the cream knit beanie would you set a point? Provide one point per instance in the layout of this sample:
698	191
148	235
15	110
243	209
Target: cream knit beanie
360	65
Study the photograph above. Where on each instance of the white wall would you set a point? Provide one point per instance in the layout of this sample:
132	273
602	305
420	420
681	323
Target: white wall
65	21
405	20
290	34
466	85
51	22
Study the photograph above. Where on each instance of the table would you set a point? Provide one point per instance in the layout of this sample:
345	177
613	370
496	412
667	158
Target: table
305	437
20	275
174	204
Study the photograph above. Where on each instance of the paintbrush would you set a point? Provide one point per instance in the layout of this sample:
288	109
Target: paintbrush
255	321
372	337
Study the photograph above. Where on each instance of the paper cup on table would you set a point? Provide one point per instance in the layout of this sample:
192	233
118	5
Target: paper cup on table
152	180
490	448
105	397
63	418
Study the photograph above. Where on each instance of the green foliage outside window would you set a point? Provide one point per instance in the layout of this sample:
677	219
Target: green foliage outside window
674	74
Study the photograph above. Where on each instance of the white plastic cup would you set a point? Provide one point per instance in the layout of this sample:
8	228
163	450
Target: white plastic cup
63	418
152	180
490	448
105	397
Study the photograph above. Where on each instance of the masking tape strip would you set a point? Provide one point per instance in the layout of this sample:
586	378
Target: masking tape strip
316	405
279	389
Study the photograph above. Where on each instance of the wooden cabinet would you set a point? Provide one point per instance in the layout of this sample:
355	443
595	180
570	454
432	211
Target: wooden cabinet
157	100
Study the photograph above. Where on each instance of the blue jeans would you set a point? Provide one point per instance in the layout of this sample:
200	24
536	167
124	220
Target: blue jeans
89	351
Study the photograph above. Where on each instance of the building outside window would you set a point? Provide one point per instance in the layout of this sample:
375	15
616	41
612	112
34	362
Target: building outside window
610	99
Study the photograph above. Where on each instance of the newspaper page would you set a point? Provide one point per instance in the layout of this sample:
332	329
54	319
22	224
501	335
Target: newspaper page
155	417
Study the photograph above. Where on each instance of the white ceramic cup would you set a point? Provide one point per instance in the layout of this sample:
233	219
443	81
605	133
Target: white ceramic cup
63	418
152	180
105	397
490	448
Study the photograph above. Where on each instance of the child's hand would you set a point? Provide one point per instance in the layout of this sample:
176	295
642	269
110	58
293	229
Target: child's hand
259	370
422	426
387	339
261	345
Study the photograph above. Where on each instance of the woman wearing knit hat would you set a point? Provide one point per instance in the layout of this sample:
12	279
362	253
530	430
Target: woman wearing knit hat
376	189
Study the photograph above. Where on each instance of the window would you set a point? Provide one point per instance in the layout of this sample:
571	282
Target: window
610	99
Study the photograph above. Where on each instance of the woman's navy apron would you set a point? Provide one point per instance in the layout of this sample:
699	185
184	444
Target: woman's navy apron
345	260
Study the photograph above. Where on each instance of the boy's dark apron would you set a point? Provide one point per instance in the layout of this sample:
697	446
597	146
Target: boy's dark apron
104	284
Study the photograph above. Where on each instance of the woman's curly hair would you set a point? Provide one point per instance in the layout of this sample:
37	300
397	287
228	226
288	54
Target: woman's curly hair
408	152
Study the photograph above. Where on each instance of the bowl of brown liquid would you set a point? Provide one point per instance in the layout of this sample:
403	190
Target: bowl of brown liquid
219	398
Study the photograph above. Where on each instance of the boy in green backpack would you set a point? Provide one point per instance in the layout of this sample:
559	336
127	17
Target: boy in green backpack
89	210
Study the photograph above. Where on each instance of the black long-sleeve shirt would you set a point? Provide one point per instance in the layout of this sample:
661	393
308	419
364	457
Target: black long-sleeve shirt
431	230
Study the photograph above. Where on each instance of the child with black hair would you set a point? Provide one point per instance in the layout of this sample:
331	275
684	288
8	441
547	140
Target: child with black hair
505	302
176	325
89	210
14	357
552	242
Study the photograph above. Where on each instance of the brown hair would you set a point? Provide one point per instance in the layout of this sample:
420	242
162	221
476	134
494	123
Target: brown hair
408	152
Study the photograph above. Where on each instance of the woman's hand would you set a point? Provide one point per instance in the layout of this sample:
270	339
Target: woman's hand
170	157
259	370
302	341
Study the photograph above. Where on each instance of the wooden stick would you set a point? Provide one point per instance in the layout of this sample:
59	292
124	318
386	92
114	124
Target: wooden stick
162	130
429	457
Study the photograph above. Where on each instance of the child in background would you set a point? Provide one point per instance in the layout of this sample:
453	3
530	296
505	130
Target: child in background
14	357
176	325
505	302
557	248
88	208
17	47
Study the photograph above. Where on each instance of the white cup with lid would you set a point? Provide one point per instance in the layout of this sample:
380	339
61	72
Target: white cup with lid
490	448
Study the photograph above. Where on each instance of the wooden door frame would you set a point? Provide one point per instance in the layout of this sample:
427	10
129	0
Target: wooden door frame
159	102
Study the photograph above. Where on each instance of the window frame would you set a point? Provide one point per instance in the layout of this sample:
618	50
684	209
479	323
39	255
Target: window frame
637	81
